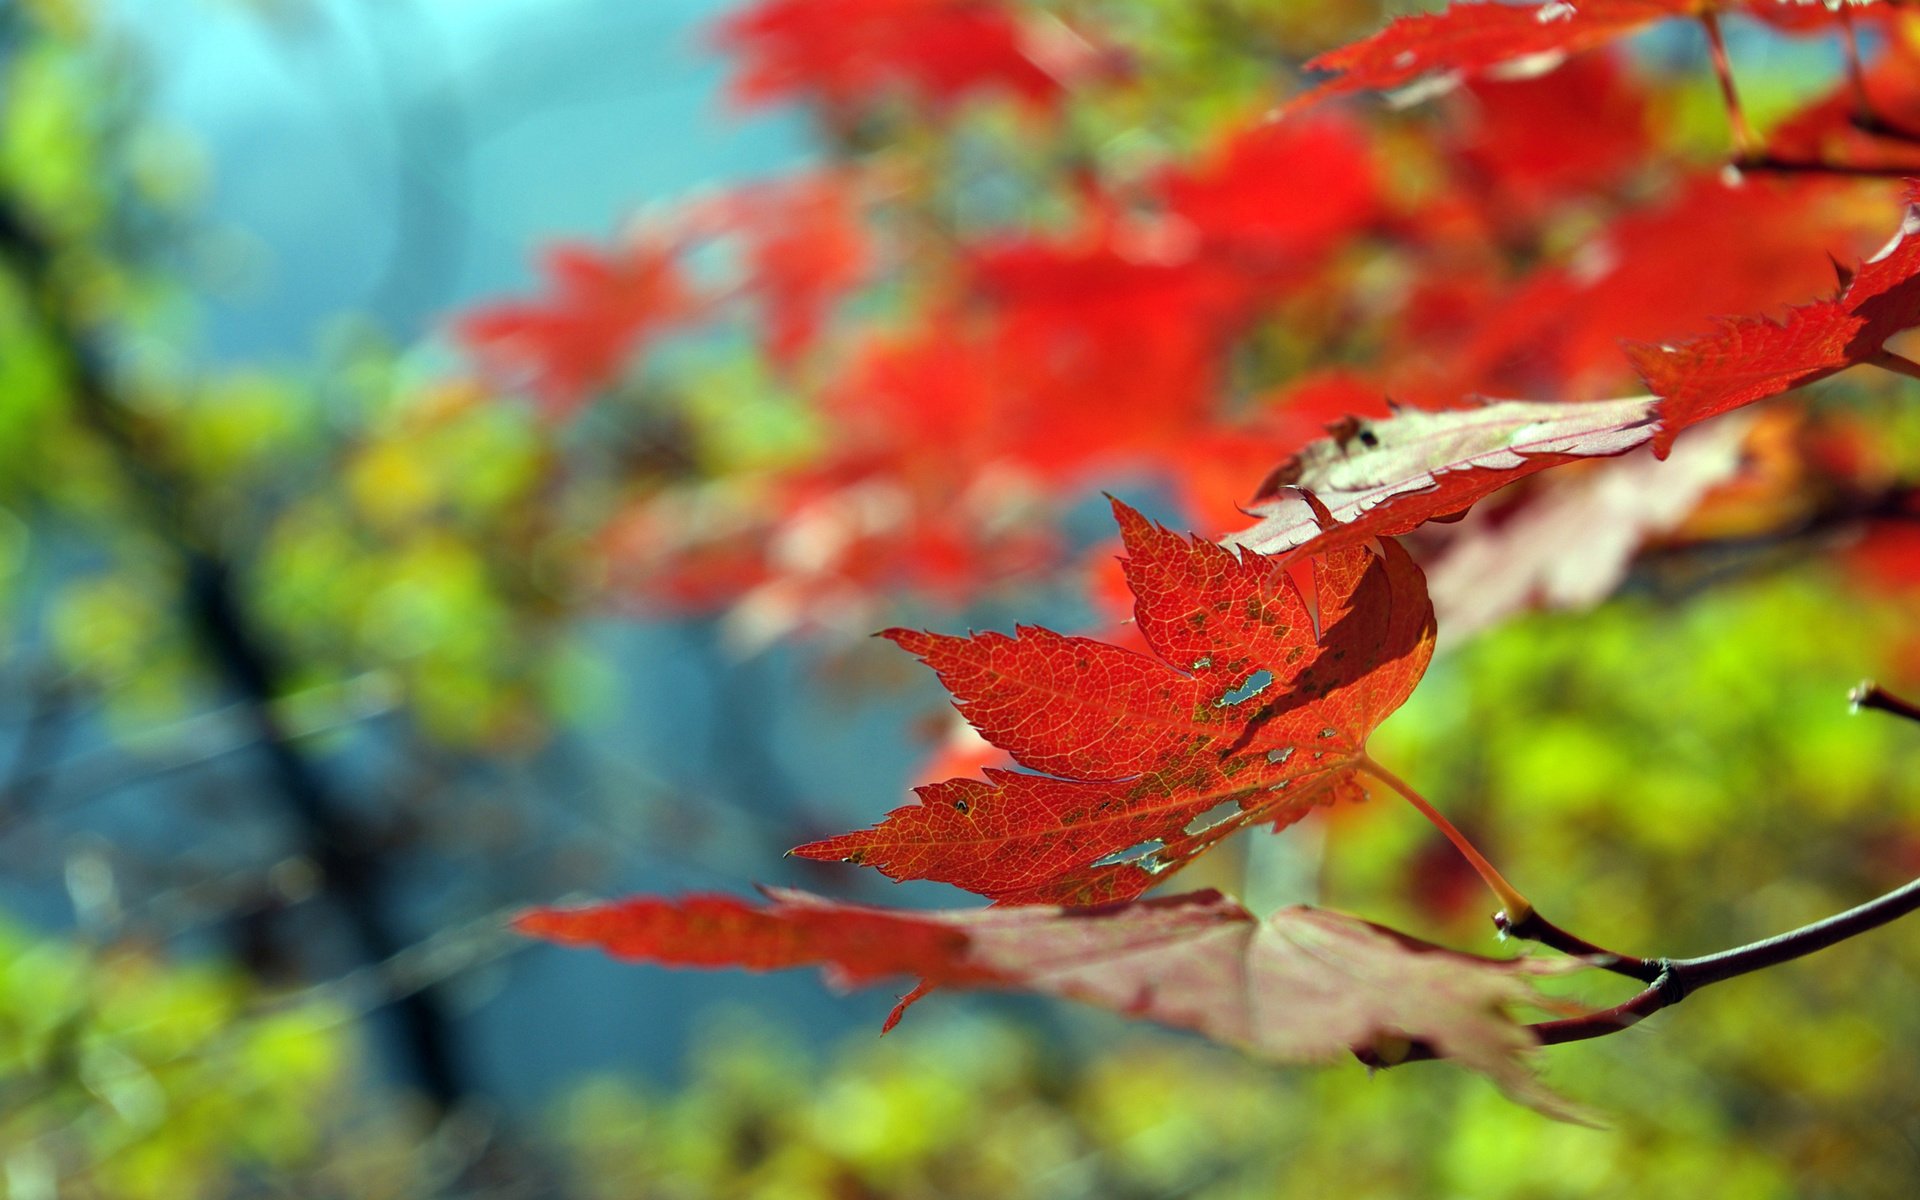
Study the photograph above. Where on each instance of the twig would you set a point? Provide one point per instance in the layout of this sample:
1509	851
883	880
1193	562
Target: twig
1745	146
1871	695
1863	114
1535	928
1679	978
1768	164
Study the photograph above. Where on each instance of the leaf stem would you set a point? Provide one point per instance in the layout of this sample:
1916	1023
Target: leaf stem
1899	364
1517	906
1863	114
1871	695
1744	144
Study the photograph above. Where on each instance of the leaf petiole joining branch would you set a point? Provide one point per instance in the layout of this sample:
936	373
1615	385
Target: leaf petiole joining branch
1671	980
1518	918
1676	979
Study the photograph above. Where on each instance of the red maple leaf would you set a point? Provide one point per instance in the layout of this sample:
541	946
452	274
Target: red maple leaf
1750	358
1275	194
1474	37
604	308
805	247
1510	136
845	53
1259	703
1557	331
1304	985
1478	36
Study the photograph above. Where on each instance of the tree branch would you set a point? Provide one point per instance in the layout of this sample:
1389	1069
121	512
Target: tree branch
241	658
1871	695
1768	164
1535	928
1676	979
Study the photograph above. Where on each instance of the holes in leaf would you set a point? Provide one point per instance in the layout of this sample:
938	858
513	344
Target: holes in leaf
1255	684
1213	816
1144	855
1276	757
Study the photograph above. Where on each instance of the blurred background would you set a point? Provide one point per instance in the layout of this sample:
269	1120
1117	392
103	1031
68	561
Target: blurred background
451	455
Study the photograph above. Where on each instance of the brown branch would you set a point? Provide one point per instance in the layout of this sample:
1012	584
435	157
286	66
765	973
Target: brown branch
1535	928
1768	164
1676	979
1871	695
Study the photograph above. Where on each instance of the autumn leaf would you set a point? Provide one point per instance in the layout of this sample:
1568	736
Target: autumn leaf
843	53
1371	478
1275	194
1750	358
604	308
804	248
1477	37
1303	986
1258	704
1510	135
1557	332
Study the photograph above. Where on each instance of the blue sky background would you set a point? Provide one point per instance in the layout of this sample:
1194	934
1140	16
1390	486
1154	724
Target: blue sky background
401	158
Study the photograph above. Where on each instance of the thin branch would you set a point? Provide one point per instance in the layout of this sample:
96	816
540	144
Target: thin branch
1863	114
1535	928
1755	164
1680	978
1508	895
1871	695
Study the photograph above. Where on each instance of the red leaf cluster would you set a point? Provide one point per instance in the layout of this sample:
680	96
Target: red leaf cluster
605	307
842	54
1478	37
